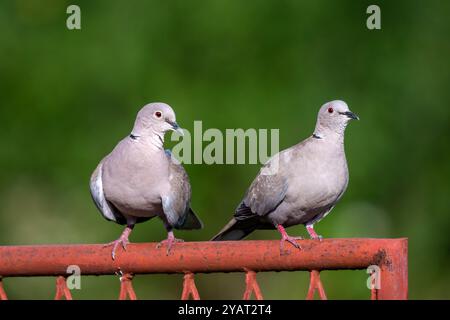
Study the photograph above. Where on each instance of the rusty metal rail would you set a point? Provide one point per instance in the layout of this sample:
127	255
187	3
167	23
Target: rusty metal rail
189	258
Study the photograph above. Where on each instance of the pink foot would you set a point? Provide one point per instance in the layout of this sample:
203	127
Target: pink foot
123	240
288	238
170	241
312	233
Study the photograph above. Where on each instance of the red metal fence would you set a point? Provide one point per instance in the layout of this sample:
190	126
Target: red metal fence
189	258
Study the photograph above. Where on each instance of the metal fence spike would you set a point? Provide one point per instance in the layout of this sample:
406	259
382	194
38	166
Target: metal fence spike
189	288
315	285
62	291
251	285
126	287
3	295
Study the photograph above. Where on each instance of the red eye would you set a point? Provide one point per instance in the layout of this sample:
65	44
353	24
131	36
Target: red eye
158	114
330	110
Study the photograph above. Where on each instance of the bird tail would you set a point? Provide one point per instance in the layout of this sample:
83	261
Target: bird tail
234	230
190	221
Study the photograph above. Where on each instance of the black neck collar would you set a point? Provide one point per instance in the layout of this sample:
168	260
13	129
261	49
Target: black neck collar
132	136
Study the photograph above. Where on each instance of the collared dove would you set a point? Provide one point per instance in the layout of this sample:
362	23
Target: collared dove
299	185
138	180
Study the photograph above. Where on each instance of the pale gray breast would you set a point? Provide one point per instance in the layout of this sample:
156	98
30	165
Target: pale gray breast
317	179
134	177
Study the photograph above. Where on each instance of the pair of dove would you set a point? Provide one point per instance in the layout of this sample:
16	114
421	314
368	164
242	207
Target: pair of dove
140	180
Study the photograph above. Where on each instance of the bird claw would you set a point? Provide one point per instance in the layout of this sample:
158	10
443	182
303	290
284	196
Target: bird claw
291	240
170	241
123	240
115	244
313	234
288	238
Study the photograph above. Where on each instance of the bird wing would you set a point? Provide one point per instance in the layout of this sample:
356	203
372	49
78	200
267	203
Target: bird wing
176	203
266	192
107	209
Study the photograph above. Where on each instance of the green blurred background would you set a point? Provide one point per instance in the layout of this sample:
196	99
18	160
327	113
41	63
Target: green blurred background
67	97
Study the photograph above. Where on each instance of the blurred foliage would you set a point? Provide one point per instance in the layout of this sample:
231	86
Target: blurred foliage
67	97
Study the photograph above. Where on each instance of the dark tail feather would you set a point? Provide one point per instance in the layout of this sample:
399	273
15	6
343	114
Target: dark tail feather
190	221
235	230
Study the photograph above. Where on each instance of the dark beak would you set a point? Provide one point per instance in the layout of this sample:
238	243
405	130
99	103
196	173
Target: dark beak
350	115
176	127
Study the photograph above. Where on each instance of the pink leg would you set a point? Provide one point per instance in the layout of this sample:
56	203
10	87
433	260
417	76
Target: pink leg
123	240
286	237
170	241
312	233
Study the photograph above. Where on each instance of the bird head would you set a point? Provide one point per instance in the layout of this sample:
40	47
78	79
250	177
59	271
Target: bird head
156	118
333	117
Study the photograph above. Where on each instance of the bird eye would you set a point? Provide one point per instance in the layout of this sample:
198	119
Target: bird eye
330	110
158	114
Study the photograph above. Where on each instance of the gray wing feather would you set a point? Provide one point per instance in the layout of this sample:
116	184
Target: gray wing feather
176	203
264	195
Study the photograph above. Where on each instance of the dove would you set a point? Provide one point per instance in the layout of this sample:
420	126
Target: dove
140	180
299	185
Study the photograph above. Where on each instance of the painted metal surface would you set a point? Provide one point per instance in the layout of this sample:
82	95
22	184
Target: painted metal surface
207	257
